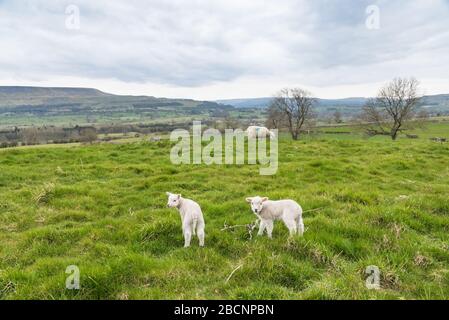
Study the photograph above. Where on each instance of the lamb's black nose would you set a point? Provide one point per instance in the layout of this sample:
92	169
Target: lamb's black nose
255	210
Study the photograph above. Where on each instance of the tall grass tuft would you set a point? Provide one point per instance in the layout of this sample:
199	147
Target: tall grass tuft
44	195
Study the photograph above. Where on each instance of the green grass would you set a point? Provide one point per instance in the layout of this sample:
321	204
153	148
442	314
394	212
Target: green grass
102	208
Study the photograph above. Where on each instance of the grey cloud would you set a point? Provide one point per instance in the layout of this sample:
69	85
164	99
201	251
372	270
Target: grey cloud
195	43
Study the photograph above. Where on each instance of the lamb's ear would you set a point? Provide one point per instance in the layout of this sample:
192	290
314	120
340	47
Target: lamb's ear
249	200
264	199
179	196
168	193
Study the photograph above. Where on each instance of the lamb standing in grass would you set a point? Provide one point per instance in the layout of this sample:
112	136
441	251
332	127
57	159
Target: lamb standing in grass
289	211
254	132
191	217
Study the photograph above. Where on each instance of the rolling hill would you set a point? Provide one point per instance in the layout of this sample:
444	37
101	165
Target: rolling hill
41	92
61	106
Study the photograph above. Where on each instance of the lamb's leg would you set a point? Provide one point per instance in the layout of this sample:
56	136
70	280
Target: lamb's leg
187	230
291	225
270	226
261	228
300	226
200	233
194	226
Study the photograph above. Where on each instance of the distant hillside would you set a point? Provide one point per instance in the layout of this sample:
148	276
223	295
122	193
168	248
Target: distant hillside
355	102
37	106
33	92
264	102
348	106
436	100
247	103
324	107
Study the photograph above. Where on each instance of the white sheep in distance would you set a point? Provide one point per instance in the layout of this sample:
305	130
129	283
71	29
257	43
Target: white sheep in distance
255	132
289	211
191	217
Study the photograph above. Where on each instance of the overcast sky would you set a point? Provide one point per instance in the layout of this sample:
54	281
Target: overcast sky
215	49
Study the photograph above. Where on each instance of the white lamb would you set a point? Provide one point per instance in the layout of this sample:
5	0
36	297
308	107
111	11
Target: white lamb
254	132
191	217
289	211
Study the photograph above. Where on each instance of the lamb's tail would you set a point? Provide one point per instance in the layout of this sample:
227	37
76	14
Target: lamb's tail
195	222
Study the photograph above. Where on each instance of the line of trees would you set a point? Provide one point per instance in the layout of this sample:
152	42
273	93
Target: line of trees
42	135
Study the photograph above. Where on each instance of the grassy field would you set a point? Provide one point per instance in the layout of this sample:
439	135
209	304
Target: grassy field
102	208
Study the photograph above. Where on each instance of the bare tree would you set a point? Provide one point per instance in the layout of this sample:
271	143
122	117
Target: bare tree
423	114
30	136
394	107
88	135
337	116
230	122
297	107
276	117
